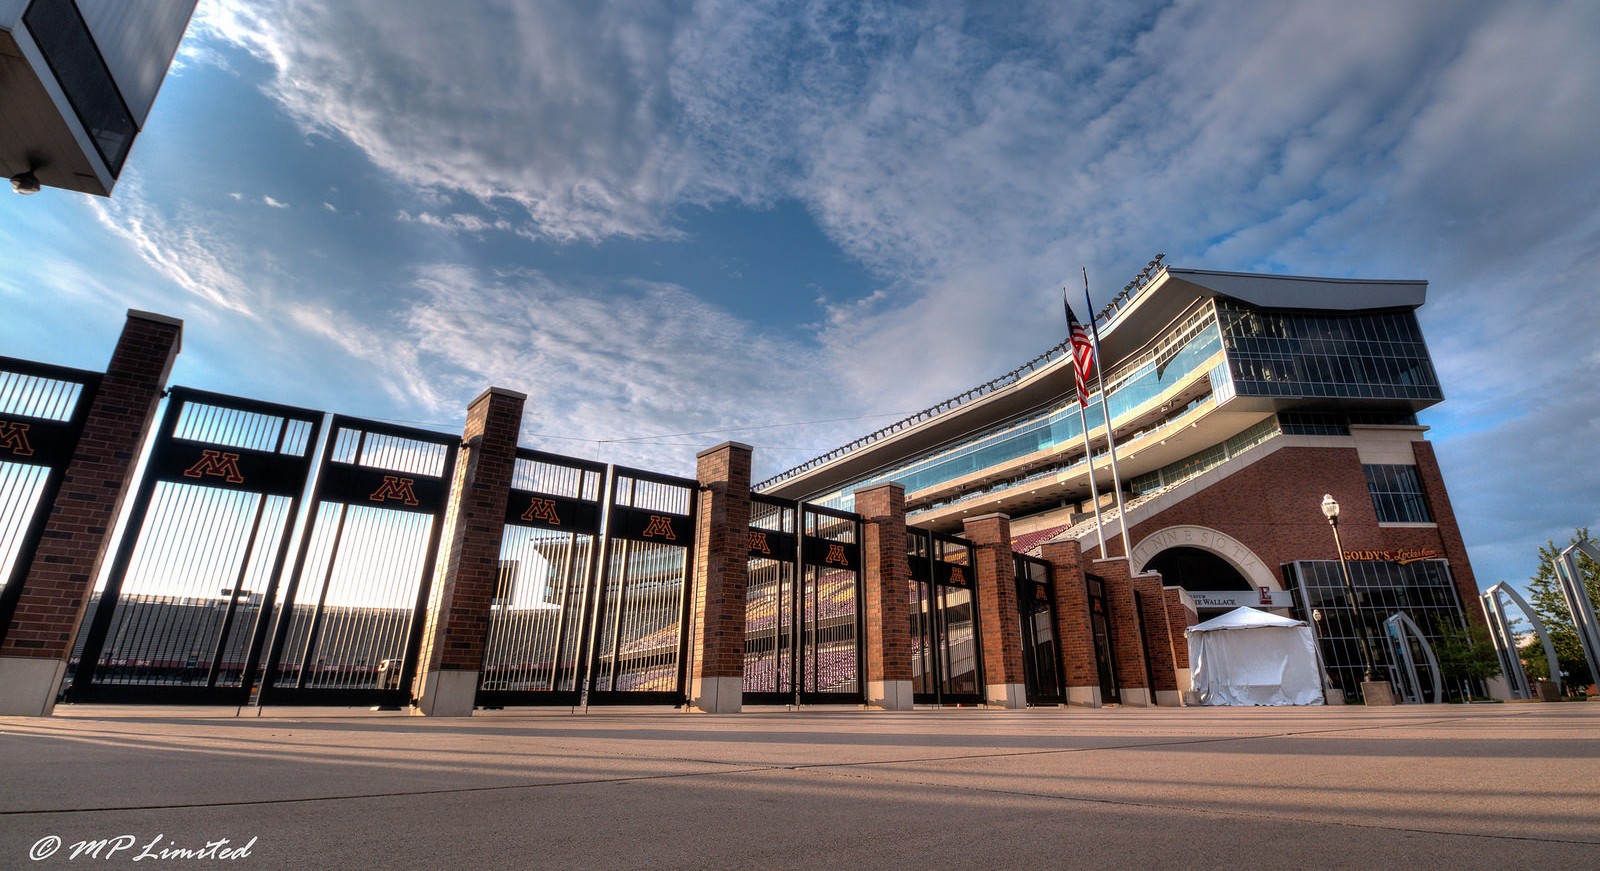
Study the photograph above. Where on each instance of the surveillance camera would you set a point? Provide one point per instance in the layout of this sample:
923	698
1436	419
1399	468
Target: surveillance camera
25	183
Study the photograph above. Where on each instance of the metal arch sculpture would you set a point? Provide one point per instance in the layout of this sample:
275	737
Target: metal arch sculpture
1505	645
1400	624
1584	618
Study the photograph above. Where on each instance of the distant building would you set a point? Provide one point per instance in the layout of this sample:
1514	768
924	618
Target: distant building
1238	401
77	80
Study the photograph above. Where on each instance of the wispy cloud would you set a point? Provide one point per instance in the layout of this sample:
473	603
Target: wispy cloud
273	203
181	250
973	158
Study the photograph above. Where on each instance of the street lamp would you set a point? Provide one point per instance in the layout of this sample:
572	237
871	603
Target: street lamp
1330	510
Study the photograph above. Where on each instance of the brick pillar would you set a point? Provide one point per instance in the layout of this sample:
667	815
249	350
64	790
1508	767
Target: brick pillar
1163	667
1004	682
57	587
722	576
1126	640
1180	617
469	569
887	579
1074	634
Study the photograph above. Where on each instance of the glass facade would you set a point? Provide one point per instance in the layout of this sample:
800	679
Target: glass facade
1424	590
1369	355
68	47
1397	494
1175	358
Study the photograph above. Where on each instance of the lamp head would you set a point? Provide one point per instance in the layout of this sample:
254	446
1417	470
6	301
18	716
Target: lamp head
1330	507
25	183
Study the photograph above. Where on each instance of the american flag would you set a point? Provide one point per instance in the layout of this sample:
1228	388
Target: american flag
1082	351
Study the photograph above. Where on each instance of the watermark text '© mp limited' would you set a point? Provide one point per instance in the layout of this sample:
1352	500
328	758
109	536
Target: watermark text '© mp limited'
137	849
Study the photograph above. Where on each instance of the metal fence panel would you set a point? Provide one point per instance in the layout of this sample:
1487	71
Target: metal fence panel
42	411
350	619
181	616
639	649
533	654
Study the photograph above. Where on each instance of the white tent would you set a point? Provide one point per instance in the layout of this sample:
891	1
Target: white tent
1250	657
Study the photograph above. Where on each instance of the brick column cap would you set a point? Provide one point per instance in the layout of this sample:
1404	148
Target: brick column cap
155	317
724	446
1000	514
895	485
499	391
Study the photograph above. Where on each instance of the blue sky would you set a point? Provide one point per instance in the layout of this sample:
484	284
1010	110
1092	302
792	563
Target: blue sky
788	223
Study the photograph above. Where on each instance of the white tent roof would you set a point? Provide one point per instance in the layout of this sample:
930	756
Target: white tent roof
1244	618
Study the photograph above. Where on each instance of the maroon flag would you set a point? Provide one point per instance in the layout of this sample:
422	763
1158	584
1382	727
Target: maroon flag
1082	351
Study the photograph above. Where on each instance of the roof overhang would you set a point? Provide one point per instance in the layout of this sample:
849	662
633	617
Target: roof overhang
1170	294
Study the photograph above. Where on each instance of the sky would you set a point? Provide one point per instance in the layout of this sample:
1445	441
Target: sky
672	224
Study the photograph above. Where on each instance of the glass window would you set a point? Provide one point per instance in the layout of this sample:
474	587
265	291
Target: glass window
1397	494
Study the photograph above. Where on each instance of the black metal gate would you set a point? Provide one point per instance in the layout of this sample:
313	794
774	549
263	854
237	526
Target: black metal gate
803	619
351	617
1104	650
42	410
182	617
638	649
946	643
533	654
1041	654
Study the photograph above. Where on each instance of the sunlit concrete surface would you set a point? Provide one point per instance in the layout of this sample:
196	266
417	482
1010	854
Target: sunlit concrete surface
1481	786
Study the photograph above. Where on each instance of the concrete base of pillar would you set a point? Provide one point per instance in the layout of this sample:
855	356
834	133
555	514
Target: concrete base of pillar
1169	698
1378	693
1137	697
447	694
1006	695
1333	696
718	695
1546	691
889	695
28	686
1083	697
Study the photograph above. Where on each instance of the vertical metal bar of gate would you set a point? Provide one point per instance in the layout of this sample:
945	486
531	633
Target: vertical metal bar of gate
773	552
42	413
384	489
829	579
554	508
942	567
655	523
1041	648
215	460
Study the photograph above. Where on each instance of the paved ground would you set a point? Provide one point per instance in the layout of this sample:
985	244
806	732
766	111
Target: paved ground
1483	786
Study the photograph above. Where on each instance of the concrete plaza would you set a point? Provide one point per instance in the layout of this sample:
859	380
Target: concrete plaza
1481	786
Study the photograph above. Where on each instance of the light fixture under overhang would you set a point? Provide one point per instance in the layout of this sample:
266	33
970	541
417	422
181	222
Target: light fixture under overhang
25	183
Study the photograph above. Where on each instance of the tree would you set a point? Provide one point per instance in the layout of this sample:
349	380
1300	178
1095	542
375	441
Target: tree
1465	654
1544	594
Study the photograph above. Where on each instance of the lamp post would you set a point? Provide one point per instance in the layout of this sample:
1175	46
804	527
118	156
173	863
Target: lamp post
1330	510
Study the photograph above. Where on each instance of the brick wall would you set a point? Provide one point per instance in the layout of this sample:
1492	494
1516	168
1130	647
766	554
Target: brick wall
1273	507
1448	534
1179	618
1126	640
722	562
57	587
1157	638
1074	635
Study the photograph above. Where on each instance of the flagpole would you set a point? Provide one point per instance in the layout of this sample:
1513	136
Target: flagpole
1105	409
1088	450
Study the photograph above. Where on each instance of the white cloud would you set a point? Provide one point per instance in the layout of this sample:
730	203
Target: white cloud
619	371
273	203
177	247
975	157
